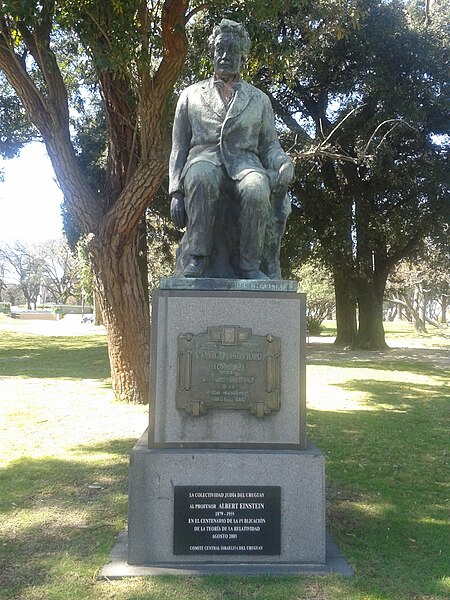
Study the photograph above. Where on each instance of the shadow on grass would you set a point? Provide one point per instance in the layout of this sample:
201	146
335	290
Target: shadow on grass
386	470
421	361
58	357
385	473
386	494
61	514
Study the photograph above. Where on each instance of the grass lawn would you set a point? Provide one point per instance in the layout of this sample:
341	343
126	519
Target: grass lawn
379	418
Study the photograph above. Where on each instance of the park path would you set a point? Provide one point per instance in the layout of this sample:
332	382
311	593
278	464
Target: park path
434	351
67	326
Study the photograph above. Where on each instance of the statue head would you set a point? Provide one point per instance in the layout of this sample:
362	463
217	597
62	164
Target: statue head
229	44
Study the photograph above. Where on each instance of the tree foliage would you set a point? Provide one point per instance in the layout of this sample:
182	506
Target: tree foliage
361	89
360	92
107	68
316	282
15	127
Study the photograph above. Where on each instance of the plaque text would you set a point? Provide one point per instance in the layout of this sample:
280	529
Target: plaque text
228	367
227	520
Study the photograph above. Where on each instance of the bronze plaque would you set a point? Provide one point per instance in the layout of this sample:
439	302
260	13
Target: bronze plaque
228	367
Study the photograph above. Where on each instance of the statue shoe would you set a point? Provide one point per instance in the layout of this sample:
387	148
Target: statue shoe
195	267
256	274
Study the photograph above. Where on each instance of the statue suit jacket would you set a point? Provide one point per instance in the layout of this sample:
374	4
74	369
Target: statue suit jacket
241	137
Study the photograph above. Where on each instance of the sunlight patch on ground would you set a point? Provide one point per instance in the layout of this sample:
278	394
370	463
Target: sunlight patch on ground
49	419
372	509
329	388
445	583
45	517
431	521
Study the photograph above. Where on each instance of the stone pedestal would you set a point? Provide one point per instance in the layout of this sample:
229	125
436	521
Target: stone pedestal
280	315
154	473
227	430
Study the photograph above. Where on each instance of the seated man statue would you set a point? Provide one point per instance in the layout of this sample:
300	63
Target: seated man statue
225	144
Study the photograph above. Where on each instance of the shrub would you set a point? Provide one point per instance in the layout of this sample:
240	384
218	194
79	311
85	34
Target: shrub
5	308
316	282
314	325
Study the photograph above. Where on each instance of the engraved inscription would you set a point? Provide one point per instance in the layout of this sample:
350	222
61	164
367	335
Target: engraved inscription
228	367
265	285
227	520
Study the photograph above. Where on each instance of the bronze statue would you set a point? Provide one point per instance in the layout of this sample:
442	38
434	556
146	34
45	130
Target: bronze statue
228	175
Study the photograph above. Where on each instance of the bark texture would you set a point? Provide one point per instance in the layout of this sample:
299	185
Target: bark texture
346	323
136	163
125	312
371	331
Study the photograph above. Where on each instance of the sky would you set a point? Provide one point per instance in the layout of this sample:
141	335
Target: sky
30	199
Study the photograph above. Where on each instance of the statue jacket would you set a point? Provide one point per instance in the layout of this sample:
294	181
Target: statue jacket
241	137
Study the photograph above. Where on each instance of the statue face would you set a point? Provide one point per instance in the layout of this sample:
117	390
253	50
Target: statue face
227	56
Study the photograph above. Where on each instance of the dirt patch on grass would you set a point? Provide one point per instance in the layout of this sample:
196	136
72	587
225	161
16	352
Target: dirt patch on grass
408	351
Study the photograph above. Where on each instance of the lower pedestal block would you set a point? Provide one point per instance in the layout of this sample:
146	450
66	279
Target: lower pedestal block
297	476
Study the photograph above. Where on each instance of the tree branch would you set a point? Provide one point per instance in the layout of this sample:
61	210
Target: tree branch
38	44
326	150
396	123
174	43
287	118
20	81
196	10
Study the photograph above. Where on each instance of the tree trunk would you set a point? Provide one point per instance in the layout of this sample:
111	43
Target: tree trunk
124	308
143	258
136	160
97	306
411	313
419	323
423	308
444	309
370	304
345	310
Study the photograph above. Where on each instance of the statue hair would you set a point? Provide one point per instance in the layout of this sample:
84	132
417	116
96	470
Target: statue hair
235	29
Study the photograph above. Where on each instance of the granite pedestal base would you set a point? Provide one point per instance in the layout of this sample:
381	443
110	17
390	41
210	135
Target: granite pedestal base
154	473
190	313
227	419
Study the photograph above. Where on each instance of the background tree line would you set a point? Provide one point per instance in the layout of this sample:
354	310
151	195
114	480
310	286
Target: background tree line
360	91
45	273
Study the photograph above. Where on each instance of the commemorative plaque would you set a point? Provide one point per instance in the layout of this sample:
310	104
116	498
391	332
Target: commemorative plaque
228	367
227	520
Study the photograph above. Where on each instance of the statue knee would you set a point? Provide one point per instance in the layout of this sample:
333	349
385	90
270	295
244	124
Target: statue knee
202	174
254	190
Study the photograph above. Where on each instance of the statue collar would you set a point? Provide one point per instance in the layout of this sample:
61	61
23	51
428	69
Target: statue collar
234	83
211	96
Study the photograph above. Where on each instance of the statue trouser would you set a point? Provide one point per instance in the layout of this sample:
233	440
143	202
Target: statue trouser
276	226
203	184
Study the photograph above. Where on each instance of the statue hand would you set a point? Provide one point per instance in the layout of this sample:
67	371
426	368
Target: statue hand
177	210
284	177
